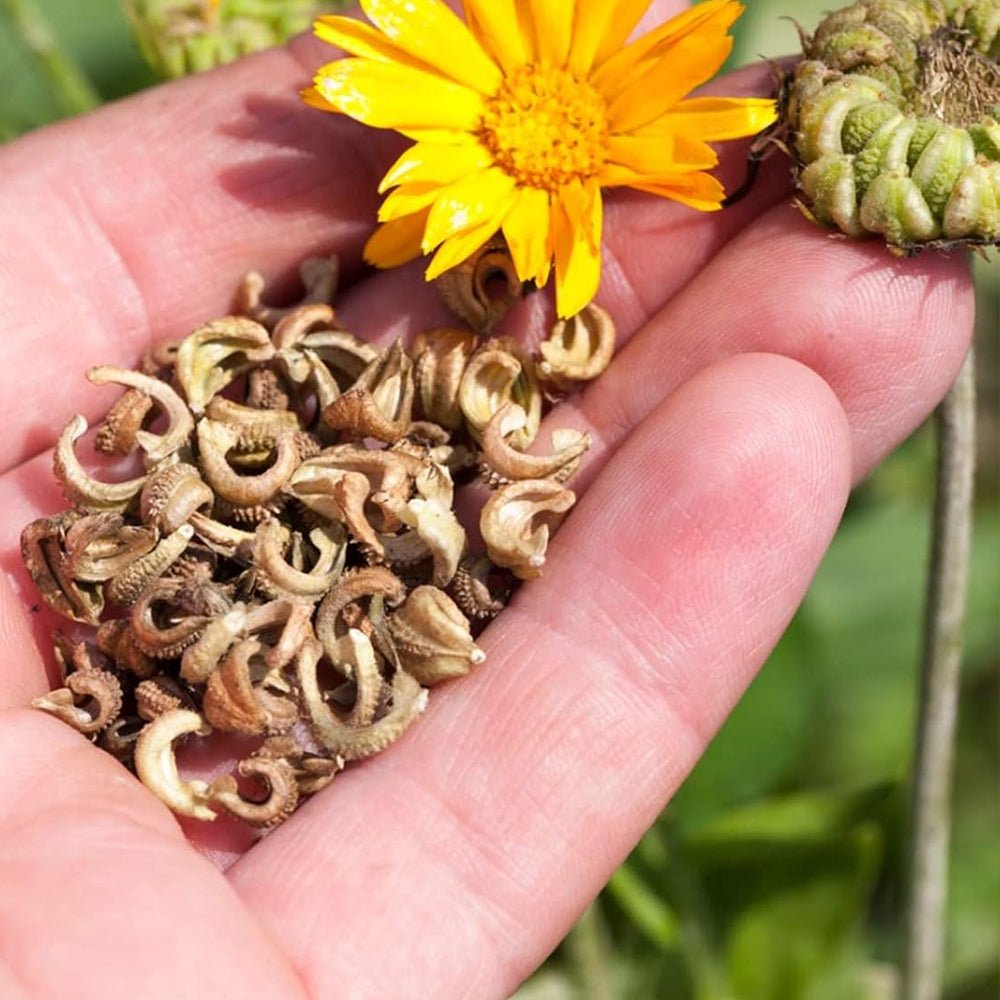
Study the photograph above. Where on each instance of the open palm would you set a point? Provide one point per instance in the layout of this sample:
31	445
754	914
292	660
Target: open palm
762	368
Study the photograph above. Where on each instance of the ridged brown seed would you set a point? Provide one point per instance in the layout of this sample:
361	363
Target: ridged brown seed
432	637
171	495
279	780
117	433
89	701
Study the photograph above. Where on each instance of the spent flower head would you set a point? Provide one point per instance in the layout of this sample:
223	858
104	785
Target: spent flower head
523	113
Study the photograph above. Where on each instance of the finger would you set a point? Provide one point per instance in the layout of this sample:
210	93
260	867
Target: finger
89	859
462	855
149	237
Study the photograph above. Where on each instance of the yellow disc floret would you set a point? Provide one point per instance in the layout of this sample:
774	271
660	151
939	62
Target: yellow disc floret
546	128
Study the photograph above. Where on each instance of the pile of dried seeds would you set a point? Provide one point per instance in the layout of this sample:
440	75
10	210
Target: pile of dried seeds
290	565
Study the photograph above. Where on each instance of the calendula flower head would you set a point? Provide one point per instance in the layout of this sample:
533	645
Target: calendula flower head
522	114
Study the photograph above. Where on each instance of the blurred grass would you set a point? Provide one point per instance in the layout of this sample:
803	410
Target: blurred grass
775	874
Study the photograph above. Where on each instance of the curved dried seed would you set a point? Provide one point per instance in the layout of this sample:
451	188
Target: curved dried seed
516	521
432	637
81	489
441	356
203	656
215	354
278	776
156	765
483	287
91	700
172	495
117	434
499	373
126	586
579	348
319	277
215	440
180	423
408	700
503	463
44	556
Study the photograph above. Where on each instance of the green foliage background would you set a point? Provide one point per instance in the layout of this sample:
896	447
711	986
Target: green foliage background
776	873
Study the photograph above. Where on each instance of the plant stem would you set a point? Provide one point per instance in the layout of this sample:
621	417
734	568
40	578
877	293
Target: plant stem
67	81
930	817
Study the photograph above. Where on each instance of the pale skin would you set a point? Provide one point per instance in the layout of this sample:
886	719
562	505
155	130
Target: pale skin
763	368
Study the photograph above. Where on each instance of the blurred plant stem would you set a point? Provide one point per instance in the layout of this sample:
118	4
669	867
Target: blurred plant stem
588	945
930	816
67	81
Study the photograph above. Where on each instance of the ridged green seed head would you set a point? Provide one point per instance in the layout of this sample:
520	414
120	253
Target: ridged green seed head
177	37
895	119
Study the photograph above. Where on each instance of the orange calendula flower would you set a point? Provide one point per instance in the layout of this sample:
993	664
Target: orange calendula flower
523	113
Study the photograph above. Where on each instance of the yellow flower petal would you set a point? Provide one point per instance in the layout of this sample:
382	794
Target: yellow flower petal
438	136
701	191
362	39
409	198
396	242
658	153
430	31
627	15
716	118
468	203
526	229
619	68
315	99
553	21
435	162
456	249
495	25
578	263
690	63
388	95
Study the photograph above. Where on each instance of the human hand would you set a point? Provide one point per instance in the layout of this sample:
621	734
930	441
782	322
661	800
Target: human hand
762	367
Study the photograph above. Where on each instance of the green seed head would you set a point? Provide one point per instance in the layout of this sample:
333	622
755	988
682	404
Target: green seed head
895	118
178	37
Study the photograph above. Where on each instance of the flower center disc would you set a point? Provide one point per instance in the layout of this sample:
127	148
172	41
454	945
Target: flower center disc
545	127
954	82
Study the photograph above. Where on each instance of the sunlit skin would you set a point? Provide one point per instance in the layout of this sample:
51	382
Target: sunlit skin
762	368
